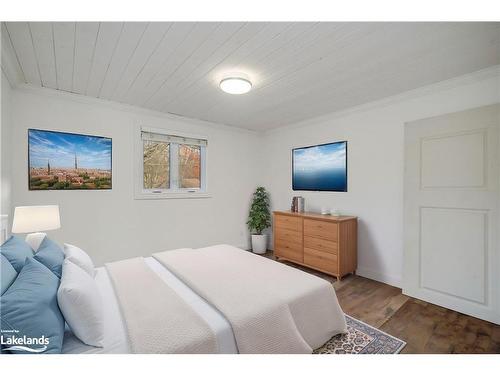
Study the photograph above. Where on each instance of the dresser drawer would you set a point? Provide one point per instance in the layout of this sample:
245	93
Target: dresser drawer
321	244
321	229
288	222
288	249
288	235
319	259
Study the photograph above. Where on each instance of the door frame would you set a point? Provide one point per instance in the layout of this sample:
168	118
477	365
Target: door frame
412	277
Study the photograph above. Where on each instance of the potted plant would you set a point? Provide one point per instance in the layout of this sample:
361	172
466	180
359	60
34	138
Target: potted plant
259	219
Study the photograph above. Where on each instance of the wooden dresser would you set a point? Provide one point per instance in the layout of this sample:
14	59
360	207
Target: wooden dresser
322	242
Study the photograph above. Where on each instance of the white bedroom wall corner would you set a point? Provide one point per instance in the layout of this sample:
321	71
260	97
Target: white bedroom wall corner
5	148
375	134
112	225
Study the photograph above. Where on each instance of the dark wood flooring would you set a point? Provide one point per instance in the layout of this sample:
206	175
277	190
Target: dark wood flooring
425	327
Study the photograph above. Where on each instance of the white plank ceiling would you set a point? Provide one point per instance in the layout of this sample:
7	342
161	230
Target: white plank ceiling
298	70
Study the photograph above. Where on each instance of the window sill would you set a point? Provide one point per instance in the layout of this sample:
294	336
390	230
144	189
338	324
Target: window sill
142	196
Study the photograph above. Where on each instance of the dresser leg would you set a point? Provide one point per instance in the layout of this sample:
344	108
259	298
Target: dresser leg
338	278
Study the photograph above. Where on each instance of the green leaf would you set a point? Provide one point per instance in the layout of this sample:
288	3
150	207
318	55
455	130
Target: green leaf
259	217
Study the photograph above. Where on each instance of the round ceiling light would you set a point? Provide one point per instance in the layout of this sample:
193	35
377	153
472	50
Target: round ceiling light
235	85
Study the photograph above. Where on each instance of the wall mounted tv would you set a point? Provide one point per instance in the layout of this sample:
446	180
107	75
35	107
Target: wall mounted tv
320	168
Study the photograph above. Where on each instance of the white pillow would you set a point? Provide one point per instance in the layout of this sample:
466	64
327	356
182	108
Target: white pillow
80	258
81	304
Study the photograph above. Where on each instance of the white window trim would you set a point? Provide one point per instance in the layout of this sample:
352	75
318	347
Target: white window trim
141	193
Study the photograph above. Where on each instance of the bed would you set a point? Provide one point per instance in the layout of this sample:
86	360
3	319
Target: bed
217	299
250	304
115	335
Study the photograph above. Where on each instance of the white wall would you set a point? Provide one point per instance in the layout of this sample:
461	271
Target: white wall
375	135
113	225
5	147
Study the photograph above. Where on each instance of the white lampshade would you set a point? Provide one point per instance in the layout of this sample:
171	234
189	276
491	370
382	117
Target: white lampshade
29	219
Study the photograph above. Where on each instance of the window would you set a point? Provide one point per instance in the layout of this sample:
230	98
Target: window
172	165
189	167
156	165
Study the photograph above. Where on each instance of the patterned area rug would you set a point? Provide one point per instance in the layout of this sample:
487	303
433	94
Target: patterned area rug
361	338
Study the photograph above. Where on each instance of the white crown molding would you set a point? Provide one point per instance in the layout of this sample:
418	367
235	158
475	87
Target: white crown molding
480	75
64	95
493	71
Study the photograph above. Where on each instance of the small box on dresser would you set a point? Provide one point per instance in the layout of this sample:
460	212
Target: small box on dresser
325	243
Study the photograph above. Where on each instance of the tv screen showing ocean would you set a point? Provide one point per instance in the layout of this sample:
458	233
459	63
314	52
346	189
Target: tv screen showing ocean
320	168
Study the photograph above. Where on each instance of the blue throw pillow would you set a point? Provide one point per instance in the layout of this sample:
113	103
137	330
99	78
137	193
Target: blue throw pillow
7	274
30	314
16	250
51	256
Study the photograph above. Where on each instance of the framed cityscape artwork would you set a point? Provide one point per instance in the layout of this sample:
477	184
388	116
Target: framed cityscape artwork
67	161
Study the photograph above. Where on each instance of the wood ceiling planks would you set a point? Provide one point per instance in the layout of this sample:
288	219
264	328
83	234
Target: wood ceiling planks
298	70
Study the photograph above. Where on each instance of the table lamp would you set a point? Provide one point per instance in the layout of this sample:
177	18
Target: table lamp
35	219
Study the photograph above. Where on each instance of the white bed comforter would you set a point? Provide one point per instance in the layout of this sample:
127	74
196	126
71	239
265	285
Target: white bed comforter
272	308
157	320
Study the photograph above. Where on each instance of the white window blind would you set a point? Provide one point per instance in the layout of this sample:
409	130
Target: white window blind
156	137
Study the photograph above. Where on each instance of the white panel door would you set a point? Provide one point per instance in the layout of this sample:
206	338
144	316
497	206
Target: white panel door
452	256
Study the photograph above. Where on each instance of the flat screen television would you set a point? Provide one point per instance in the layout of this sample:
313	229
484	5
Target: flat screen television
320	168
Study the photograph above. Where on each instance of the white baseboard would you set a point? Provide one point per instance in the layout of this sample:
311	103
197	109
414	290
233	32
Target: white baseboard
377	276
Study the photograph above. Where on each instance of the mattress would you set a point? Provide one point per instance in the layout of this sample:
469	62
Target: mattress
115	336
272	308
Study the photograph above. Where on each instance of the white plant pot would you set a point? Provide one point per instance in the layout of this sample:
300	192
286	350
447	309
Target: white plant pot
259	243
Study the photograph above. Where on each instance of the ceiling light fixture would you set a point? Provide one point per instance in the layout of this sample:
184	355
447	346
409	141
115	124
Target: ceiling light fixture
235	85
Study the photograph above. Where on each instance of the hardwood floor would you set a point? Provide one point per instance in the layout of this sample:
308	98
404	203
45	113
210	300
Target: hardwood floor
425	327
